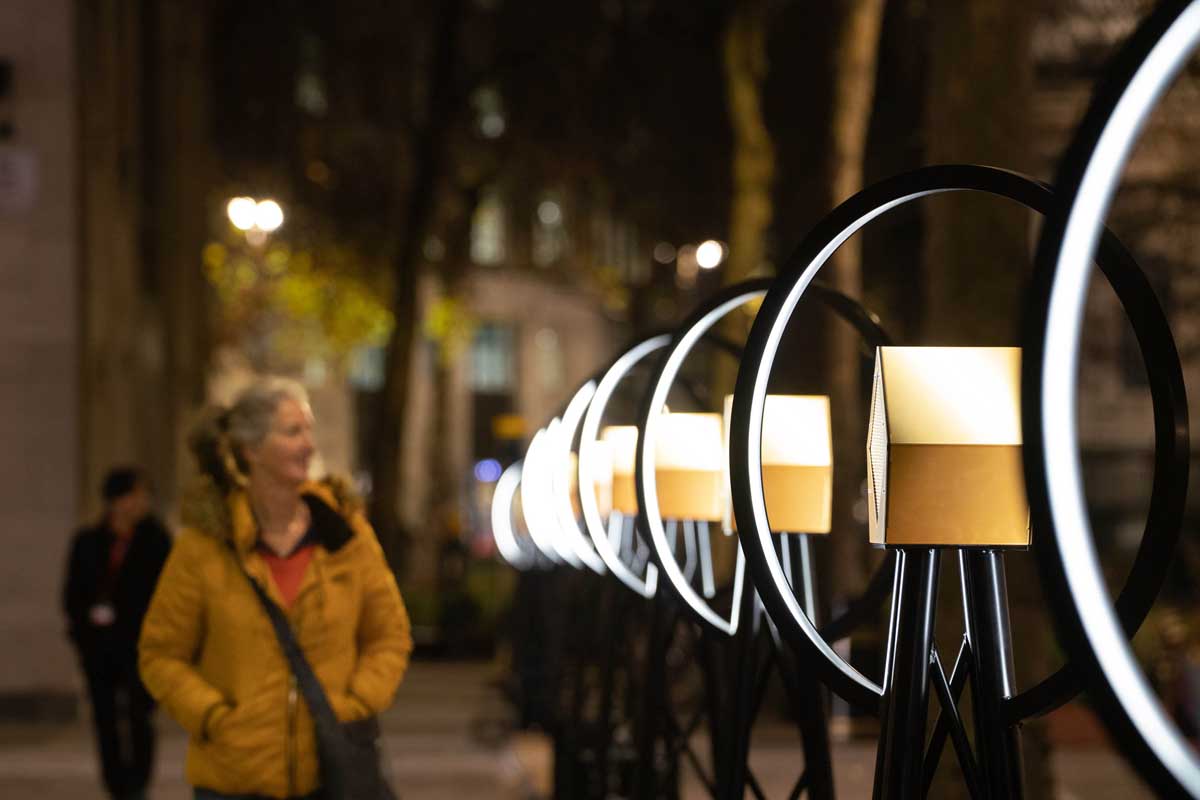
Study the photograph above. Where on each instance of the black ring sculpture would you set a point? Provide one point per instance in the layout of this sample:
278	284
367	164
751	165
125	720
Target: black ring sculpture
544	516
610	378
650	523
698	325
507	544
568	429
1086	622
1140	305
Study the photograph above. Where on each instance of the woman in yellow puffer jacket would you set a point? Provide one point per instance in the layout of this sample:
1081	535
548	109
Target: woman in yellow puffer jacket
208	652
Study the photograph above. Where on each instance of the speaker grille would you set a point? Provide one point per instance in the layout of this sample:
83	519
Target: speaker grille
877	447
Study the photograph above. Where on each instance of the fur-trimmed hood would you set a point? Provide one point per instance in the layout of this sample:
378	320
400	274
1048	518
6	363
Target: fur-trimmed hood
228	516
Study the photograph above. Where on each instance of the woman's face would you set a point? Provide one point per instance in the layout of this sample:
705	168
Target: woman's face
284	454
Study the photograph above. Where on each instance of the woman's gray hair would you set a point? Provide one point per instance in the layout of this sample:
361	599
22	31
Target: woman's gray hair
220	437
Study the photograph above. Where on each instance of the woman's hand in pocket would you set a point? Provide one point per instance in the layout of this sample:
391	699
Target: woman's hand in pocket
215	719
347	707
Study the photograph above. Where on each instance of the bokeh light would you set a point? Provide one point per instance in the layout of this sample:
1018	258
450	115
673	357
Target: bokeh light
710	254
242	212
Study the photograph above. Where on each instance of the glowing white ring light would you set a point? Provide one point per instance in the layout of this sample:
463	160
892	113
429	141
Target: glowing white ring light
649	483
535	501
560	464
758	400
548	470
1059	368
506	540
587	478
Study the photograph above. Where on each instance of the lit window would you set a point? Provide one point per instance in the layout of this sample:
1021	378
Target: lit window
366	368
487	231
551	370
549	233
492	358
489	112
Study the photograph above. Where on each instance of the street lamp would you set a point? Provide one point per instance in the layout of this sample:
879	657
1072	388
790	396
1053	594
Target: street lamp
250	215
268	215
710	254
241	211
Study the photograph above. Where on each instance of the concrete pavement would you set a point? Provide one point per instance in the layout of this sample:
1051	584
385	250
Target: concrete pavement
447	738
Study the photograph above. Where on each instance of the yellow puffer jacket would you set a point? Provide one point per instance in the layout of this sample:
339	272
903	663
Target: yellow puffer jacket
209	655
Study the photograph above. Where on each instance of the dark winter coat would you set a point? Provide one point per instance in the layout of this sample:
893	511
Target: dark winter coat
129	592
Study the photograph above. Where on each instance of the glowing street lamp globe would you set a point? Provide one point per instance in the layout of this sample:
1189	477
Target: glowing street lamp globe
710	254
268	215
242	212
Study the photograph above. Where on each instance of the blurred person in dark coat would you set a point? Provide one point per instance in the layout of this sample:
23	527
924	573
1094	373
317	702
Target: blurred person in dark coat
111	575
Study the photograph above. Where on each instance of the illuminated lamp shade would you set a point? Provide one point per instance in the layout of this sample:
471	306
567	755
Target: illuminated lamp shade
944	448
601	458
689	467
797	462
602	469
622	446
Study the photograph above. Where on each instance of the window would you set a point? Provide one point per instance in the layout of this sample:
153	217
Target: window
549	358
487	231
366	368
492	368
549	233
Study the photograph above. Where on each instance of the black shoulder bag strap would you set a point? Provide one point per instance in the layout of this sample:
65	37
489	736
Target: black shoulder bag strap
349	753
306	679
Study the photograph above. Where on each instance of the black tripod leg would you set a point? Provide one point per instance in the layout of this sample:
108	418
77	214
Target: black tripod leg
998	744
905	703
736	748
652	724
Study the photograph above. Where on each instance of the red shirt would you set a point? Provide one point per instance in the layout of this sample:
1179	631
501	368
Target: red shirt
288	571
116	557
116	554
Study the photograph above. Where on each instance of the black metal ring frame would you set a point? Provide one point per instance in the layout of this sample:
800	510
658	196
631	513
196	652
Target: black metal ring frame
1171	452
649	524
608	379
732	743
1087	177
707	314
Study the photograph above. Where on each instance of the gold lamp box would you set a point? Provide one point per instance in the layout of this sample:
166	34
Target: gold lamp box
602	475
689	466
797	462
944	448
621	441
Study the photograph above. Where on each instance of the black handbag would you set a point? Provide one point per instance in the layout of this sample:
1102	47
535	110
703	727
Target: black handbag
349	752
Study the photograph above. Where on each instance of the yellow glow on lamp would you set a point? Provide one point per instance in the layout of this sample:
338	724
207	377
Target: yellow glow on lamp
622	444
797	462
601	458
689	466
944	448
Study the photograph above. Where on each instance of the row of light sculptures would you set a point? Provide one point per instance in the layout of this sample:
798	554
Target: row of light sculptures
944	443
691	472
943	461
956	439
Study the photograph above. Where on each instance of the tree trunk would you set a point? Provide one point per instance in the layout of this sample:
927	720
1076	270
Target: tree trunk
443	464
429	153
977	254
750	207
750	211
855	52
